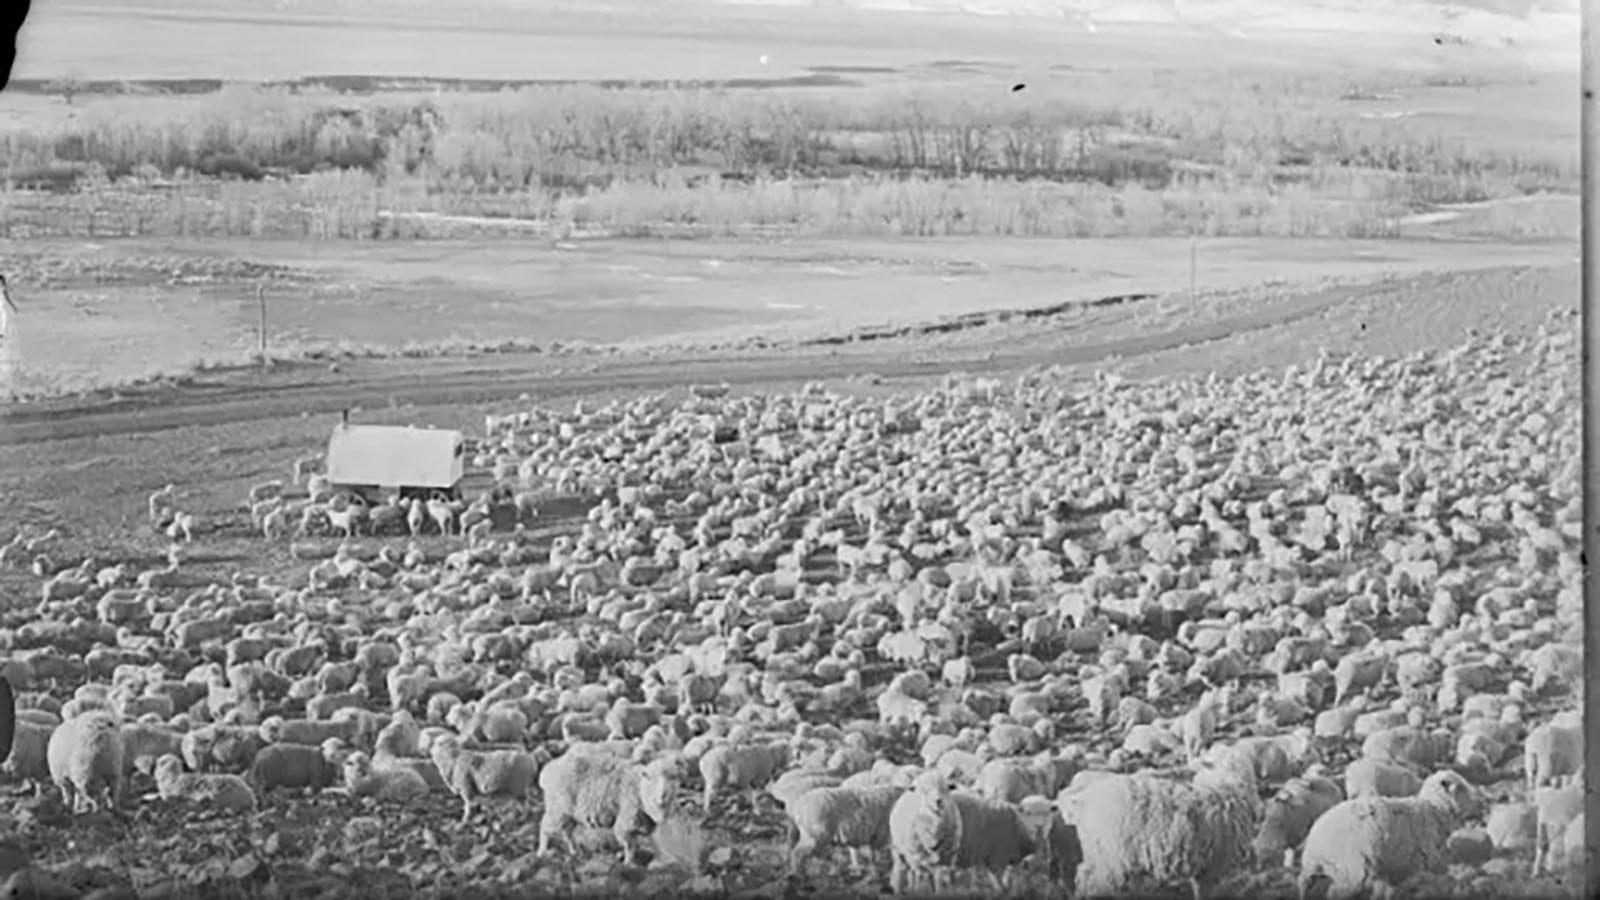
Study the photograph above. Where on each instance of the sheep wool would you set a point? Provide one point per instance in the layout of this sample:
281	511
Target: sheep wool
835	816
293	766
144	745
1139	830
924	833
597	790
231	748
482	773
1368	777
225	792
1552	751
996	835
85	756
384	783
1289	815
740	767
1372	843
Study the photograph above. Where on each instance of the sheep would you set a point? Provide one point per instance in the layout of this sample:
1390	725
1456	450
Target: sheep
1376	843
1010	780
1555	809
1369	777
144	745
1289	814
85	755
383	782
480	773
182	523
296	766
924	833
231	748
996	835
855	818
307	732
740	767
1145	828
226	792
597	790
1552	751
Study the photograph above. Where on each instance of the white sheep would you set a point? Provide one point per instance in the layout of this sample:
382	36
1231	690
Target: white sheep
598	790
364	778
830	815
996	835
1555	809
471	774
1552	751
226	792
1289	814
86	760
729	766
1144	829
1369	777
924	834
1374	843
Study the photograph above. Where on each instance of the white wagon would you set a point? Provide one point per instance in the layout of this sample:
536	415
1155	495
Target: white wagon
373	460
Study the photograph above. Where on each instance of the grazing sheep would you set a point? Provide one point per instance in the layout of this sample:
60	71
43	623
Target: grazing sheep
1555	809
307	732
1552	751
855	818
144	745
924	834
996	835
599	790
1369	777
296	766
86	761
229	793
386	783
1290	813
471	774
740	767
231	748
1376	843
1144	830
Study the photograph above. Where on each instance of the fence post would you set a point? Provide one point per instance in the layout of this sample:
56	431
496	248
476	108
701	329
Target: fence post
1194	243
261	332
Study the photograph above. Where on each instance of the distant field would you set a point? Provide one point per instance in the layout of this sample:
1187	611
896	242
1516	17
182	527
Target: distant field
101	315
433	209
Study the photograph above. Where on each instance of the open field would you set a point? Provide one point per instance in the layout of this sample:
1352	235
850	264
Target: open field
105	315
824	375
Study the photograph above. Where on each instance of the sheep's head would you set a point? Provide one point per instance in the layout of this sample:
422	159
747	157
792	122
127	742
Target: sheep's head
658	784
1449	789
167	768
271	729
1037	815
357	766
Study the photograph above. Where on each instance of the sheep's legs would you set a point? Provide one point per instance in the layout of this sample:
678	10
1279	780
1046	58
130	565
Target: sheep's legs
1196	889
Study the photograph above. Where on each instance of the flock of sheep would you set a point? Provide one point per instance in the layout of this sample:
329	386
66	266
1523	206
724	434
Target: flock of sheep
1113	637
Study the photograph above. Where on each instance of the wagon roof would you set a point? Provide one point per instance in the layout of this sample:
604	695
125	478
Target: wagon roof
394	455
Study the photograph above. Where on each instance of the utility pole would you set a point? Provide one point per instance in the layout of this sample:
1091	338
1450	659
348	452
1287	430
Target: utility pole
261	331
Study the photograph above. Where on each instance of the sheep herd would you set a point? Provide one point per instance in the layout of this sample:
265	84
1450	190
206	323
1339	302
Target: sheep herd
1106	637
